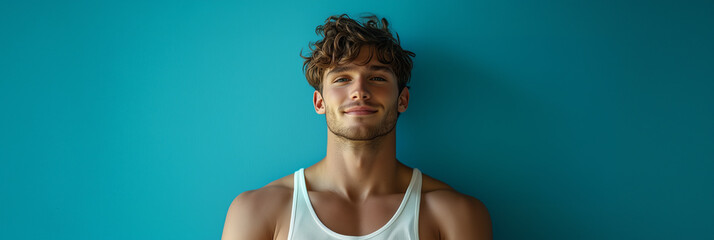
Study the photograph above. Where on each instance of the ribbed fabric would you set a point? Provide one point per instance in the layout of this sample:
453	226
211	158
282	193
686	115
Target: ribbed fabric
404	224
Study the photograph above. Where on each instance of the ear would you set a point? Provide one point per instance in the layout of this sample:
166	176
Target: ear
318	102
403	100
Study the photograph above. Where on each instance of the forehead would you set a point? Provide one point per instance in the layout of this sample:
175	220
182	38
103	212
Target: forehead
366	52
366	60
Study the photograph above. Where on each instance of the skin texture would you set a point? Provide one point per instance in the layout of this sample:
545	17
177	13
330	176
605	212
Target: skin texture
359	184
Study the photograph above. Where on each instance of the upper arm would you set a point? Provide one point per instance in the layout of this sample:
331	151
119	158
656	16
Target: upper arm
463	217
246	220
473	222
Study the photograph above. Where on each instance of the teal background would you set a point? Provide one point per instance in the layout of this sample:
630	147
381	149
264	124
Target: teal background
568	119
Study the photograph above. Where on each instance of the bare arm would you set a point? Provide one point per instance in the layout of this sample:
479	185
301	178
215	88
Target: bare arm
246	219
472	222
462	217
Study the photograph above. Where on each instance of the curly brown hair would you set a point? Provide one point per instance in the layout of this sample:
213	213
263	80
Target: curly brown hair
342	39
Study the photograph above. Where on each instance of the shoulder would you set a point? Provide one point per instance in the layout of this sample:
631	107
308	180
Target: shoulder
254	214
457	215
274	194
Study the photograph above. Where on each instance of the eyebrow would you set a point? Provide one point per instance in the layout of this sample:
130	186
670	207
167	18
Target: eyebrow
342	69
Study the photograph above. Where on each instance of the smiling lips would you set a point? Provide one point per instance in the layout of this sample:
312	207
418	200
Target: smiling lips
360	111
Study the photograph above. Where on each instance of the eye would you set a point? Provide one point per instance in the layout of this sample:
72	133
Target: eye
342	80
379	79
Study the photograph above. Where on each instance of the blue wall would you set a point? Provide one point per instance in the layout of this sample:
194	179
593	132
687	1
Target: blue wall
568	119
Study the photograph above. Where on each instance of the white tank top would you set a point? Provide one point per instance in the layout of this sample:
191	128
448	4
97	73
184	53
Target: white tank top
304	224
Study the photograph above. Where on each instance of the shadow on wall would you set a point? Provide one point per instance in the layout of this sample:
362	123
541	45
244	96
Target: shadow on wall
474	128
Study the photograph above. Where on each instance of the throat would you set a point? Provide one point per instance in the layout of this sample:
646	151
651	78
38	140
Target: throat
358	182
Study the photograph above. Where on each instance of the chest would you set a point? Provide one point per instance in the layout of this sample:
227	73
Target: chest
356	219
349	218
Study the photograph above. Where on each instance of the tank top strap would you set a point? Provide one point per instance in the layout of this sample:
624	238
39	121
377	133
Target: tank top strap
297	176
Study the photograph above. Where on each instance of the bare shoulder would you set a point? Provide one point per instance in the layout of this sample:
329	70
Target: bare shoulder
254	214
457	215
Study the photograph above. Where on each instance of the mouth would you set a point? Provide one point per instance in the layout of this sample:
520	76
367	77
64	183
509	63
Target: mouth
362	110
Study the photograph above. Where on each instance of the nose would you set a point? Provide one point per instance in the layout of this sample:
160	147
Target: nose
360	90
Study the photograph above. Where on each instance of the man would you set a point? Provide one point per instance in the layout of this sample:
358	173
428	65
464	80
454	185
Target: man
359	190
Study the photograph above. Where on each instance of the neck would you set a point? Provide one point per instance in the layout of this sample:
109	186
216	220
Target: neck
358	169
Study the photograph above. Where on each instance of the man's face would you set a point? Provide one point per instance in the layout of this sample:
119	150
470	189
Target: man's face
360	101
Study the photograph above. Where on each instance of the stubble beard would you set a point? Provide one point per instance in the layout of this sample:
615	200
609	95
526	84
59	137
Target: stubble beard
353	134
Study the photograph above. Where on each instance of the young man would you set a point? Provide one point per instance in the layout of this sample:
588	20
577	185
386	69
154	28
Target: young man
359	190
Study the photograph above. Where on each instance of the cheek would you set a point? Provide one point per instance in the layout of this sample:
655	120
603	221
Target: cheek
334	95
333	98
389	95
